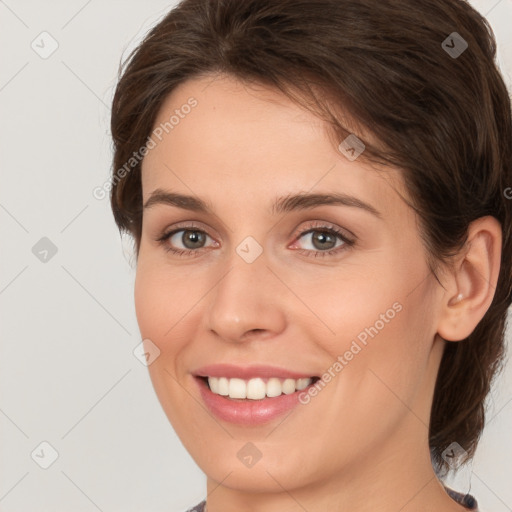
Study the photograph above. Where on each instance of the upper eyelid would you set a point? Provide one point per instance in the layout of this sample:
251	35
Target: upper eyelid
327	226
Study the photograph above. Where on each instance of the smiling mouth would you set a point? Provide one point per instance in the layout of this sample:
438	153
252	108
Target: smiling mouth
256	388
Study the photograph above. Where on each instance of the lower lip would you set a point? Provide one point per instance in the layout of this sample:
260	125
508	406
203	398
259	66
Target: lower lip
248	412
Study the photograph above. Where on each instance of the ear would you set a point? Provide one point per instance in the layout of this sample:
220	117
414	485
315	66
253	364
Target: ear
471	283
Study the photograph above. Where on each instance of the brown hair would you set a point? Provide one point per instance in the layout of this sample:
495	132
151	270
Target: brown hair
444	120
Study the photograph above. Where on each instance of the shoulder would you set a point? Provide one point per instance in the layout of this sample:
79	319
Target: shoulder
466	500
198	508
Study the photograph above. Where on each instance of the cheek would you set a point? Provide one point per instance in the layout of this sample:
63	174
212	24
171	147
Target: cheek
148	302
382	299
354	307
161	302
168	305
161	311
381	326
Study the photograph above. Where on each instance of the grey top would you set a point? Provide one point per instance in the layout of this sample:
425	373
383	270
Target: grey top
466	500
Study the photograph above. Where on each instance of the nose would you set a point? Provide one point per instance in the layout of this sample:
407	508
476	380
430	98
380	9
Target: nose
247	303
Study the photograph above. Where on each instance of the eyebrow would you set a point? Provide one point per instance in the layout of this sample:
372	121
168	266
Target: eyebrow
283	204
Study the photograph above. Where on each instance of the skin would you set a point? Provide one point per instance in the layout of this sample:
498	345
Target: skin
362	442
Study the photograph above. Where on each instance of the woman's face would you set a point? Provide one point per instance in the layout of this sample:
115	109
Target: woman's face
262	280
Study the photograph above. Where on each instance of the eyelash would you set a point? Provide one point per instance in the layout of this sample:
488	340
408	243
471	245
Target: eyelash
326	229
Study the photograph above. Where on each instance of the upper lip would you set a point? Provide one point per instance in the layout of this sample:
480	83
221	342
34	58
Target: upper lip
248	372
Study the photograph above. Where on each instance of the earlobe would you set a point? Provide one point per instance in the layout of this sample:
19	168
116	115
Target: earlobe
473	280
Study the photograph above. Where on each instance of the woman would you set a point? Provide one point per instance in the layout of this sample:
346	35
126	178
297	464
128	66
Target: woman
316	192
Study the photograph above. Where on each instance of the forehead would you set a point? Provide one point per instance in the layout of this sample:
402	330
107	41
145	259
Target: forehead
253	139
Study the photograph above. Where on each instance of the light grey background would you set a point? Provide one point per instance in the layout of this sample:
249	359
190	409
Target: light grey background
68	375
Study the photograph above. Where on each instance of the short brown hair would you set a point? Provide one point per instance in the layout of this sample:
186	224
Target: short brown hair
443	119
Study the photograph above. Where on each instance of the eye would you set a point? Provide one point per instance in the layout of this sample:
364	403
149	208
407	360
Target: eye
190	237
324	240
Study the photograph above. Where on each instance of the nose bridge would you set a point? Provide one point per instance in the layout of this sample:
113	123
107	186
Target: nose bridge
244	298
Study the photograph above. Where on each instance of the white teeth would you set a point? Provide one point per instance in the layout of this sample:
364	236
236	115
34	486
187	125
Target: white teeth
256	389
274	387
223	386
237	388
